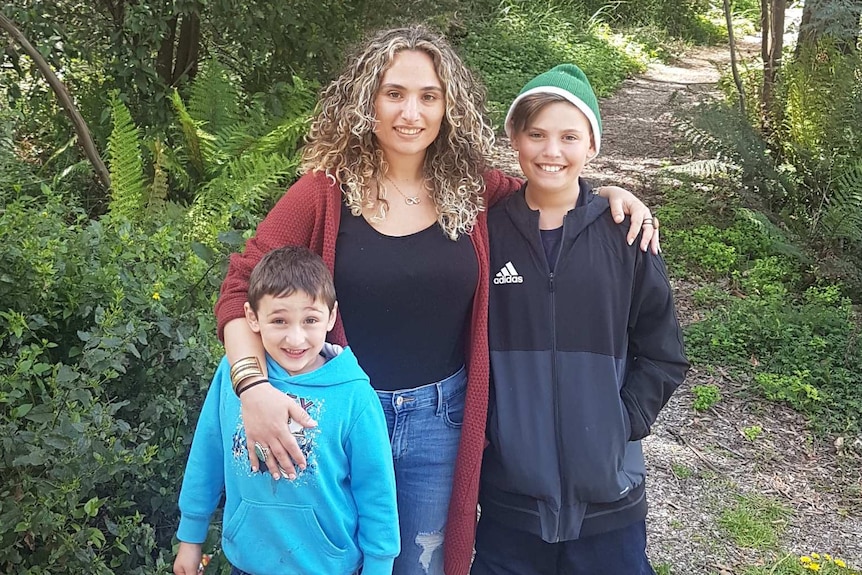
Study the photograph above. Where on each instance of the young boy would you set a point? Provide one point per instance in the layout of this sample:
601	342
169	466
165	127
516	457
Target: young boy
339	515
585	351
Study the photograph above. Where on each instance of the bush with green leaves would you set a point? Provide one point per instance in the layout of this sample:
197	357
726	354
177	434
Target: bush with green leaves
807	166
522	39
106	348
805	351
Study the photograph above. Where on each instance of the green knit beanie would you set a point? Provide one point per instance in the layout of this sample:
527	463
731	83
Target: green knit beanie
569	81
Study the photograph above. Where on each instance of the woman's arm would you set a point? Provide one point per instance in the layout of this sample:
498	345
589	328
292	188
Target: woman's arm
265	411
623	203
498	186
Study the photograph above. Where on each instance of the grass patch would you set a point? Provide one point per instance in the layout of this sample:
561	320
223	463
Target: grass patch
681	471
754	521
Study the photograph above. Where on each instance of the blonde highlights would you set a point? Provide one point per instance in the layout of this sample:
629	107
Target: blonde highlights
341	141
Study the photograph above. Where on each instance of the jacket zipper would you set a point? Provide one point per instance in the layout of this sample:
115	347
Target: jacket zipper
554	381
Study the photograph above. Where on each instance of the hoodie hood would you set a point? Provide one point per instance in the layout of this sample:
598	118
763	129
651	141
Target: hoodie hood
341	367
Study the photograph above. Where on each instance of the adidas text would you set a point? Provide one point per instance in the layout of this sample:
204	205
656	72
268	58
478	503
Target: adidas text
508	275
509	280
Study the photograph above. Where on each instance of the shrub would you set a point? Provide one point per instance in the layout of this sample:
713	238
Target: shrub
106	347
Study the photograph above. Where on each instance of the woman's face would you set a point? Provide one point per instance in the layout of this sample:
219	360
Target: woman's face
409	106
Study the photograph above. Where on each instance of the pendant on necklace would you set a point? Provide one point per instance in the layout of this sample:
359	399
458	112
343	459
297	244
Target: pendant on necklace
412	200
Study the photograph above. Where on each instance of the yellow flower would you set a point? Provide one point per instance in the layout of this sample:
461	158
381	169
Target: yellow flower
813	566
827	556
156	296
805	559
815	555
840	563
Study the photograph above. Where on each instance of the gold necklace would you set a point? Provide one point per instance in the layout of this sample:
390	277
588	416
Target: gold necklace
409	200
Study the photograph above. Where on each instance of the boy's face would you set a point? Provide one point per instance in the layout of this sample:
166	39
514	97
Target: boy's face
554	147
293	329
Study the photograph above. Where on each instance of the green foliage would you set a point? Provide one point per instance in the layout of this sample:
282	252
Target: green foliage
106	346
752	432
797	339
225	165
523	39
124	152
705	396
683	19
755	521
806	165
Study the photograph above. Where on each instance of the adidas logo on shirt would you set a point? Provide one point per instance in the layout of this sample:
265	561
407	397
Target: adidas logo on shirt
508	275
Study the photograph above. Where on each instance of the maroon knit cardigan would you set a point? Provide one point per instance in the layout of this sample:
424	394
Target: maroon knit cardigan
309	215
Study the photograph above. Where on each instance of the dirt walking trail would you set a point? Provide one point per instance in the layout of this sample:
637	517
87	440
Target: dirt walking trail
700	463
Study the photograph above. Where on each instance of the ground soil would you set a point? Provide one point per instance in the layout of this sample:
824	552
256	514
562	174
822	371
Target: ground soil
700	463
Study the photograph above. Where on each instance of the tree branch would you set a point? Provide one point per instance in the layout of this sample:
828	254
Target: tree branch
81	129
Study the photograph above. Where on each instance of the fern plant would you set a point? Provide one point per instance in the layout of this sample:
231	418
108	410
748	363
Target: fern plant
128	186
224	163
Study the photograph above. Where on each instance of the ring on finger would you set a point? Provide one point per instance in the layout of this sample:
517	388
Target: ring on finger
647	222
261	451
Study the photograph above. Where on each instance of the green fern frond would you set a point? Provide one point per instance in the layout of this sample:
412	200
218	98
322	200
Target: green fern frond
705	168
199	144
128	187
158	191
240	192
214	98
842	219
285	138
235	140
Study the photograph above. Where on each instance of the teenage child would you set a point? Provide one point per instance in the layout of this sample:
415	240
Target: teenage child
340	514
585	350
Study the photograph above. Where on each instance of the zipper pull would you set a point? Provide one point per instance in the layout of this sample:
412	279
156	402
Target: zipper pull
551	280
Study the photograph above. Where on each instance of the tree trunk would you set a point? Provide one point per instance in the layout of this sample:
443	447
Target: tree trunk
774	44
186	63
165	60
81	128
736	79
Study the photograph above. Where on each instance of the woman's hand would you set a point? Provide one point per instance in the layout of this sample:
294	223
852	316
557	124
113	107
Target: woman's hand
624	202
265	410
265	413
188	559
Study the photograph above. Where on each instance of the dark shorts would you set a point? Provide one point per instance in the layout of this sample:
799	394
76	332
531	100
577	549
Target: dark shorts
501	550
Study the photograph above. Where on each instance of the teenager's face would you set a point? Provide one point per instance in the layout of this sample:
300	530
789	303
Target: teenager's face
554	147
409	106
293	329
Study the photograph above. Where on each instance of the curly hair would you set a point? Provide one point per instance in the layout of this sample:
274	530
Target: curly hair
341	142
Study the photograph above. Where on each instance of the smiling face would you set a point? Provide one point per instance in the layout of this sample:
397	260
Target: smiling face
293	329
409	106
553	148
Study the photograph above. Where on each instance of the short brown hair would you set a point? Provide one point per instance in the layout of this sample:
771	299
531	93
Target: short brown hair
285	271
529	106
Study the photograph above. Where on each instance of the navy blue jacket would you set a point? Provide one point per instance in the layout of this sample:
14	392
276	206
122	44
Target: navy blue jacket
582	361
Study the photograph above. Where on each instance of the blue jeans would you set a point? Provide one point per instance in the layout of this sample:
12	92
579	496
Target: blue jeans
424	430
502	550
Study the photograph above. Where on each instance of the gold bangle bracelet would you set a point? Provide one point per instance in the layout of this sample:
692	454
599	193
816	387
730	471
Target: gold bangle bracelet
244	375
244	363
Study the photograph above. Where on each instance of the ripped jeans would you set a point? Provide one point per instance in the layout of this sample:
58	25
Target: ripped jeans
424	429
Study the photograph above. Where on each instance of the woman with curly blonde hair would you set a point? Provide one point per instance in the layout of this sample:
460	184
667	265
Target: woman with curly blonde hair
393	197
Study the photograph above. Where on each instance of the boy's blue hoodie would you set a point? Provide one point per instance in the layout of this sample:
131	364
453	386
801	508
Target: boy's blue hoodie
339	514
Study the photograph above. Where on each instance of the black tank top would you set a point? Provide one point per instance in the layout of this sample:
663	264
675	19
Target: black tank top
405	301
